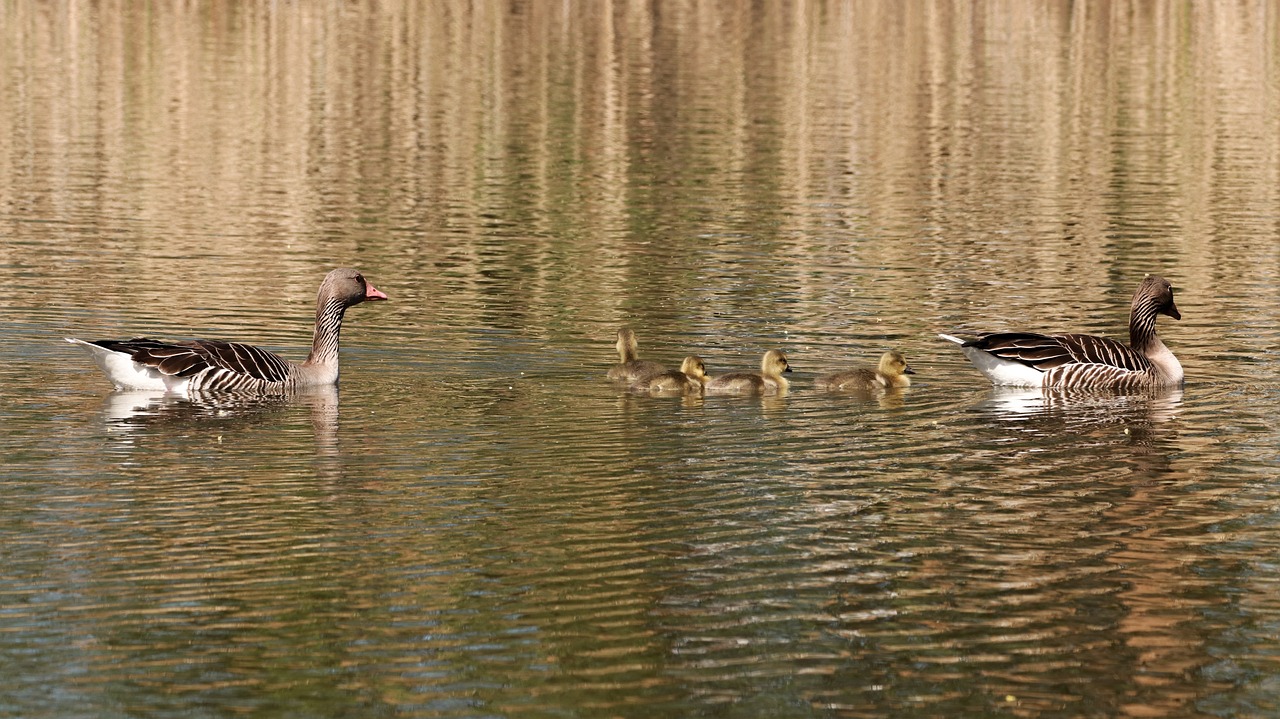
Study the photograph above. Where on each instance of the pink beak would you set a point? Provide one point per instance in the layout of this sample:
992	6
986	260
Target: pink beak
373	293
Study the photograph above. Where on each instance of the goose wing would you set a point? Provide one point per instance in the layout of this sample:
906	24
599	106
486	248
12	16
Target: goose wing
1048	352
184	359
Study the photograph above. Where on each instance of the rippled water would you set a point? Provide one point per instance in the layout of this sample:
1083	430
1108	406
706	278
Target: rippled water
478	523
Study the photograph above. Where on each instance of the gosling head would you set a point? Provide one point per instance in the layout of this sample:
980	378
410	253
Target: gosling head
774	363
893	363
693	367
627	345
893	366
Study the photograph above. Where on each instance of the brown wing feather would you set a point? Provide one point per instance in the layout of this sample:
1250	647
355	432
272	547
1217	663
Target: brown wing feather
1046	352
183	359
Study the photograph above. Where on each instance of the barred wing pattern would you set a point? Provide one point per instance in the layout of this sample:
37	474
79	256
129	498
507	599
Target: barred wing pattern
1071	359
208	364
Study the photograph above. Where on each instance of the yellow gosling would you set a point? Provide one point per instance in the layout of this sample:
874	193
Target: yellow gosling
690	379
769	381
630	367
891	373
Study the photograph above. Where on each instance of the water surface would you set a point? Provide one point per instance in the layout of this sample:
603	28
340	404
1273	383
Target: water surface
479	524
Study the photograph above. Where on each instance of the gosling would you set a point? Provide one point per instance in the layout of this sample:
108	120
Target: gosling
769	381
690	379
890	374
631	367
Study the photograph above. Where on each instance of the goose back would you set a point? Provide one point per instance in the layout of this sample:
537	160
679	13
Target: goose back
208	364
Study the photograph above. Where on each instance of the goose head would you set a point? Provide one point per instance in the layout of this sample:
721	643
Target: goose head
1155	291
348	287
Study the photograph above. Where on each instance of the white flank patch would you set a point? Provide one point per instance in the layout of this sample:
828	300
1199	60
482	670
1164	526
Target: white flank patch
124	373
1002	373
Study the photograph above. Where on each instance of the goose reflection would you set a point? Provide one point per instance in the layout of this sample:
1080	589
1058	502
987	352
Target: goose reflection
1081	410
1015	402
133	414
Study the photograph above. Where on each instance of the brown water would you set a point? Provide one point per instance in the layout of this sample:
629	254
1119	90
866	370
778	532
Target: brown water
480	524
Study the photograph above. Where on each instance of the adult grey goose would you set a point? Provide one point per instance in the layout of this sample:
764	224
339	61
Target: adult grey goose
217	366
1078	361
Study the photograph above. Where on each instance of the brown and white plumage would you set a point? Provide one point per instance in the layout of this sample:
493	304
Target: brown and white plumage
630	367
217	366
890	373
1079	361
768	381
690	379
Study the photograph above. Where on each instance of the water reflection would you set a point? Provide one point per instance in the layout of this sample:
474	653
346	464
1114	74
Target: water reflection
884	398
1090	418
1081	407
134	415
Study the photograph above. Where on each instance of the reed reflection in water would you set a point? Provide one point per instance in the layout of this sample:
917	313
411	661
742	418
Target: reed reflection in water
482	524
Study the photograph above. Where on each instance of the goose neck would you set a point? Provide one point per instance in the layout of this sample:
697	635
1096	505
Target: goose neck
1142	326
324	339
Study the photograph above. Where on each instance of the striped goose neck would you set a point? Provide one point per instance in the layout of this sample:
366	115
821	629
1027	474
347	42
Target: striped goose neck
1142	324
324	340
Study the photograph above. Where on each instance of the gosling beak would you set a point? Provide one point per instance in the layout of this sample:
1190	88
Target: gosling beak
908	370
